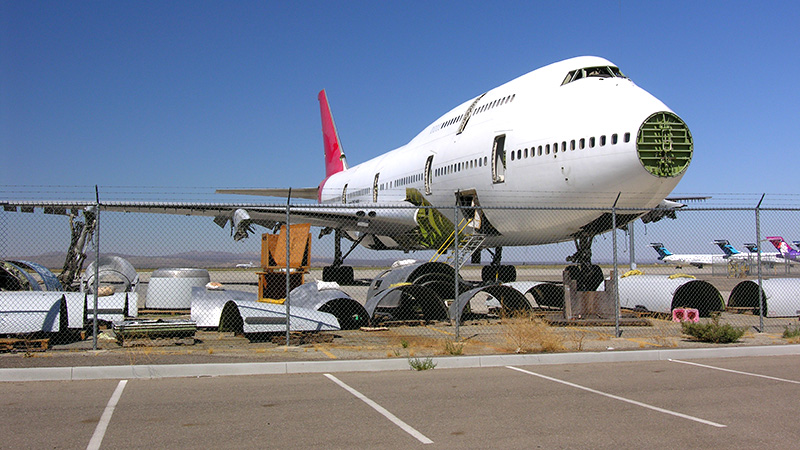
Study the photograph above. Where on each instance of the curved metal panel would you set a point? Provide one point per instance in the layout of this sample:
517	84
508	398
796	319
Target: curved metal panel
111	265
543	293
51	282
257	317
662	294
396	298
780	296
30	312
206	309
510	299
28	277
409	273
350	313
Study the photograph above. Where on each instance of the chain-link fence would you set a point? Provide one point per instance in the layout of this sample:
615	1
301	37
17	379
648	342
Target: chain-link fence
441	277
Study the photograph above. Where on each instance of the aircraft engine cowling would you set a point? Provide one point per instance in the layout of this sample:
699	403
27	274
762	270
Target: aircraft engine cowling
241	224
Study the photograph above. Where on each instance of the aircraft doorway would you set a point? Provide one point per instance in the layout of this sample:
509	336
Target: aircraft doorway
428	174
375	188
499	159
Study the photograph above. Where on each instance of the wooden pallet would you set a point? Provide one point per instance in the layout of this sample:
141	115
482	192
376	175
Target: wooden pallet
15	345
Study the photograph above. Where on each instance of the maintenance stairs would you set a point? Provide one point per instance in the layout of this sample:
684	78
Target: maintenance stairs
468	243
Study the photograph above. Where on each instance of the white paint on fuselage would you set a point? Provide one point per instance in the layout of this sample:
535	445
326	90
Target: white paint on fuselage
536	110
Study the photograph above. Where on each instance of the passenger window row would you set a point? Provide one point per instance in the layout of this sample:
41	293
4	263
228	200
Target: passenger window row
461	166
579	144
477	110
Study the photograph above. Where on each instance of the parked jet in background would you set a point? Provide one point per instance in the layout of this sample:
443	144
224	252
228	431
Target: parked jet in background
786	250
769	258
685	259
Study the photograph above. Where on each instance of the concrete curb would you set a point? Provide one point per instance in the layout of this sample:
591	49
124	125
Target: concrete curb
375	365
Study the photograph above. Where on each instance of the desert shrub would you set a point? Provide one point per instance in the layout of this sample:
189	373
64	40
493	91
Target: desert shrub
791	333
421	364
713	332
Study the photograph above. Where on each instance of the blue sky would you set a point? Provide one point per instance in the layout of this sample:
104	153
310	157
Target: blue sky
223	94
170	100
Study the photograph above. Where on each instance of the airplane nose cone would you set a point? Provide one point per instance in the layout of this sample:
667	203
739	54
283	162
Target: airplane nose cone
664	145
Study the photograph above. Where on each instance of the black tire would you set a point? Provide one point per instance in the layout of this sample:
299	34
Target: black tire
489	274
508	274
342	274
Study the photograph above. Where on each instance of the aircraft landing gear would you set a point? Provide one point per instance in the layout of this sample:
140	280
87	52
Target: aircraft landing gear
588	275
337	271
496	272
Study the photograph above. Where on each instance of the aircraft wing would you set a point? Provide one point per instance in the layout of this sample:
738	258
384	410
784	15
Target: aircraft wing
384	219
306	193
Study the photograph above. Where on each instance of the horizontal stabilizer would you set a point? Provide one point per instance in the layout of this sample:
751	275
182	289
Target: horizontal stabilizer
307	193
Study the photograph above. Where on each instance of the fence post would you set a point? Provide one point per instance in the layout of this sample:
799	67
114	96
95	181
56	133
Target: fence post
96	262
631	244
455	267
288	247
758	244
615	279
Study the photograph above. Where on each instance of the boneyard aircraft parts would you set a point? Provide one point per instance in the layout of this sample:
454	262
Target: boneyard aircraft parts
111	268
326	298
242	312
544	294
779	295
49	279
113	308
404	302
437	276
15	278
660	293
510	299
24	312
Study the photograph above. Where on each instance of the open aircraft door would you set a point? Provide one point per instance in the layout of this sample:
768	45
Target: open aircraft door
499	159
428	174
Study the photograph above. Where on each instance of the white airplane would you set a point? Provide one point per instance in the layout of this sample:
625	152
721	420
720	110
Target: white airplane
573	133
689	259
769	258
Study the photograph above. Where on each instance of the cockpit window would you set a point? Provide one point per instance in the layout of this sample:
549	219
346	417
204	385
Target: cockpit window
596	72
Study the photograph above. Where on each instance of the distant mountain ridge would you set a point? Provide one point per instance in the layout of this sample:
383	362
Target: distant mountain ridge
204	260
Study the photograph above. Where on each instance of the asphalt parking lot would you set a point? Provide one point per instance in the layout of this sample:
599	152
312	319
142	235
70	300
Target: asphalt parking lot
702	403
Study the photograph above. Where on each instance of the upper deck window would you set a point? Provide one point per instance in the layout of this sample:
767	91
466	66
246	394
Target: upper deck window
596	72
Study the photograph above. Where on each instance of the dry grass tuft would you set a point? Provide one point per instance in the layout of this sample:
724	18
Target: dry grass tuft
527	334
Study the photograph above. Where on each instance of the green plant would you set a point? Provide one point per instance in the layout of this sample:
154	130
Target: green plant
713	332
791	333
423	364
404	343
454	348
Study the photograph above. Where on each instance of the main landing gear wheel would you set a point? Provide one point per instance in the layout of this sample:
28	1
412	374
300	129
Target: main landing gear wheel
588	276
340	274
501	273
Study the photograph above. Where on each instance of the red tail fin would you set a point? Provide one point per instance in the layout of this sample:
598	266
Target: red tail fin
335	160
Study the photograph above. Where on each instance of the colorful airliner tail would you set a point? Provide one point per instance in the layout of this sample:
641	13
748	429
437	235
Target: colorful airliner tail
335	161
752	248
661	250
786	250
726	247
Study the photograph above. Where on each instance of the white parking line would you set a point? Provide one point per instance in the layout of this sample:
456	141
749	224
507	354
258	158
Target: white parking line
100	431
735	371
622	399
404	426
